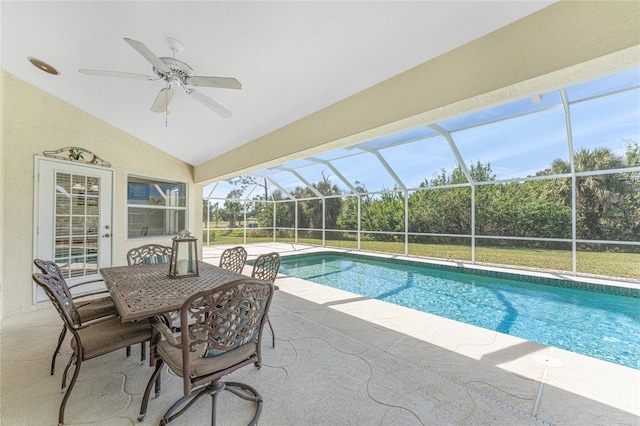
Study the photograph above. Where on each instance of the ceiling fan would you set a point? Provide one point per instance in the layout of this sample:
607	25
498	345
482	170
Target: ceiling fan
174	73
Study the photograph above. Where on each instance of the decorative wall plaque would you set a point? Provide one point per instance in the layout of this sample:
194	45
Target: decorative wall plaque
74	153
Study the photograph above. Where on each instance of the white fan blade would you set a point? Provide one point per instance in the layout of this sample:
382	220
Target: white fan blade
210	103
221	82
118	74
148	55
161	104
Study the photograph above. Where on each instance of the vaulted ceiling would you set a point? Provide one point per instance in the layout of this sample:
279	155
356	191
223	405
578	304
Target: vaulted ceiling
292	58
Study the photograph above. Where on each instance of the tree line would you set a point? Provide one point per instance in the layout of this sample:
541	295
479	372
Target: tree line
607	205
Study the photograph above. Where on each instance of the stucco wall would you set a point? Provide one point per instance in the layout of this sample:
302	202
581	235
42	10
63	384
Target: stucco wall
35	121
2	168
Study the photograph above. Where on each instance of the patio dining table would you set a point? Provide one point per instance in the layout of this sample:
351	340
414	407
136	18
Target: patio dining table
143	291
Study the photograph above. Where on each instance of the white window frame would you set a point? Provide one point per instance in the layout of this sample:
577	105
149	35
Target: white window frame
168	209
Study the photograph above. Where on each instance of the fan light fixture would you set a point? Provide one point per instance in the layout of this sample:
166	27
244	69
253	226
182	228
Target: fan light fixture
43	66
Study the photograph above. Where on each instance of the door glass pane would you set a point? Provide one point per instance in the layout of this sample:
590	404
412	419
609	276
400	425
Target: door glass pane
62	225
62	249
78	226
93	185
92	206
92	225
91	265
77	223
63	203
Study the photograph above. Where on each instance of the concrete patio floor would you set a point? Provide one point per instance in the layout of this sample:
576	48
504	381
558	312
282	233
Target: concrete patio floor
340	359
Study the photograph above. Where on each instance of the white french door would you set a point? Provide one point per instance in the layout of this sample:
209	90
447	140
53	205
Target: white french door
73	220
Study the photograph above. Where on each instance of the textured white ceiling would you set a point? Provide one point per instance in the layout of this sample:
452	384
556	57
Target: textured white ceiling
292	58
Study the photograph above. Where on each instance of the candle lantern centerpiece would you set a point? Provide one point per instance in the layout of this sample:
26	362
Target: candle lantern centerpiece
184	256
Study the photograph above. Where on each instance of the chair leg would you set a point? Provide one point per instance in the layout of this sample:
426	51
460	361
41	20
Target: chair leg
155	377
153	346
143	352
78	363
191	398
241	390
158	384
214	400
247	393
273	335
55	353
128	351
66	370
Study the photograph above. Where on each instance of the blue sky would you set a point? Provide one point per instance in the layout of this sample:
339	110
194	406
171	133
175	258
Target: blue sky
516	147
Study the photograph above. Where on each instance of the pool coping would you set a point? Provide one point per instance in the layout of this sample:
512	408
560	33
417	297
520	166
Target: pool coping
620	288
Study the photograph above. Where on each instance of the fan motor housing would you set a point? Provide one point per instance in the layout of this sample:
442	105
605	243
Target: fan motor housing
178	69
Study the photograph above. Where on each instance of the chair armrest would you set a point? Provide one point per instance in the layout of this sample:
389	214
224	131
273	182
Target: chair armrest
90	293
86	282
165	331
96	321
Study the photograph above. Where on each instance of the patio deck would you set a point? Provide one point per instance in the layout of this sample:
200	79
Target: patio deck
339	359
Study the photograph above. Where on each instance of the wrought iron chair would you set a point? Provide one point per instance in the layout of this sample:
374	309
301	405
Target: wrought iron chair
89	306
90	338
266	268
150	253
221	332
233	259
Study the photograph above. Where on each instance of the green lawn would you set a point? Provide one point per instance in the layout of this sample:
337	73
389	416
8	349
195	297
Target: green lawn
608	264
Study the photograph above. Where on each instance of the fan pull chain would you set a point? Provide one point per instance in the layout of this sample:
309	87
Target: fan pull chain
166	106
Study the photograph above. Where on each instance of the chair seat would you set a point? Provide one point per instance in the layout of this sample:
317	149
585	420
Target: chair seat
97	308
205	366
111	335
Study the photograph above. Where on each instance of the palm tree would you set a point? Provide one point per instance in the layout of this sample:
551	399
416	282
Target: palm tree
332	205
594	193
233	208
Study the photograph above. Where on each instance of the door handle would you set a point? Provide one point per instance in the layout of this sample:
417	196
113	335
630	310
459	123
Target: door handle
106	235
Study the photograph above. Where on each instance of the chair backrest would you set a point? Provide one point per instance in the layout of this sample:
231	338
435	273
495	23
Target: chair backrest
48	267
150	253
266	267
233	259
59	294
221	320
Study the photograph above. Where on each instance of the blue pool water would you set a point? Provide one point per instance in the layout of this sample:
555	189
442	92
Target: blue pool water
600	325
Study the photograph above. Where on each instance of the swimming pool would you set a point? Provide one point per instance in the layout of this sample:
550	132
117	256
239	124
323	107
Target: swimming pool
596	324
